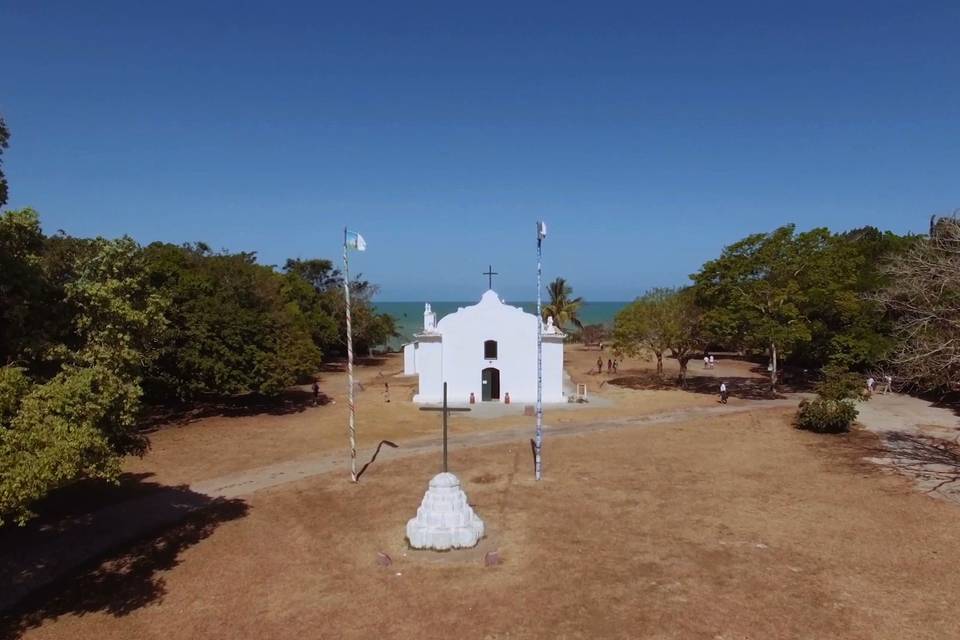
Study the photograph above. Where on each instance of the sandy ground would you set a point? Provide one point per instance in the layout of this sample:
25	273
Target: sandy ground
921	440
185	452
726	527
700	524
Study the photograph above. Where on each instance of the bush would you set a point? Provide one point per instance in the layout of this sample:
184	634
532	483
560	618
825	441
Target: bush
14	385
839	384
825	415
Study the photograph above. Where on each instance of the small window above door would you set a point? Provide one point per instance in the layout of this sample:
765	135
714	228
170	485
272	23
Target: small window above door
490	350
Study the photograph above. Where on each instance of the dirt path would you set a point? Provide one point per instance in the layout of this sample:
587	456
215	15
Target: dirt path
95	534
248	481
922	441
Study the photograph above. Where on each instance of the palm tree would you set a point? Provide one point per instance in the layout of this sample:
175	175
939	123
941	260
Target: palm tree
562	308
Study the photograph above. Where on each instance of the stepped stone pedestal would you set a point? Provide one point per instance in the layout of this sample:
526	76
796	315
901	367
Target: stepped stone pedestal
444	519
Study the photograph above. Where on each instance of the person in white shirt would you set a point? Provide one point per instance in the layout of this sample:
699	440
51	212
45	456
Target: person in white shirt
887	384
706	362
871	383
723	393
712	362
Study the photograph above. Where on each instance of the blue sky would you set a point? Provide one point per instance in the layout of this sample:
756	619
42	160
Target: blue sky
648	136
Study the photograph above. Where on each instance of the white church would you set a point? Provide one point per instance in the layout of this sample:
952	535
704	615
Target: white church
488	351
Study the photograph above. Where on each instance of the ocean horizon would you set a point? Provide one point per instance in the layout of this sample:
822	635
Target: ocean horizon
409	315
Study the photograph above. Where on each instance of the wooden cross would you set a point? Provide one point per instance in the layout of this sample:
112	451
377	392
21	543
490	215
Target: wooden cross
490	273
446	410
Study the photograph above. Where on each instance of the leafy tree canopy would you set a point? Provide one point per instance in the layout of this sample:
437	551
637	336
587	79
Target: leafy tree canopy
88	327
661	320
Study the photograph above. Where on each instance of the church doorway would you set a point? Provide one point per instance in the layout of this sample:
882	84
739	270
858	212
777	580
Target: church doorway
491	384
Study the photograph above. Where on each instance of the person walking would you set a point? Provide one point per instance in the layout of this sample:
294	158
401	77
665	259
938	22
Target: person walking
723	393
871	383
712	362
887	384
386	392
316	393
609	365
599	365
614	365
706	361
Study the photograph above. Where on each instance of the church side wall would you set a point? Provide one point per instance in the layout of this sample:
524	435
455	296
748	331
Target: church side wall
409	359
553	372
429	363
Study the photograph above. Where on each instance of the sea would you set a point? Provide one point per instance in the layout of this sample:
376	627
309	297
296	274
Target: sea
409	315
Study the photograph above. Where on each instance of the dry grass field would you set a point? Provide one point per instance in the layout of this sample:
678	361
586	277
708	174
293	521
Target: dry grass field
726	526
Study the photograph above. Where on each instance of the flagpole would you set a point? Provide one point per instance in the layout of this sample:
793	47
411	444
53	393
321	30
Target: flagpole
352	428
538	443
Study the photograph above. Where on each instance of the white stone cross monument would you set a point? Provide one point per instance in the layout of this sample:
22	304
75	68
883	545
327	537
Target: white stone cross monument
445	520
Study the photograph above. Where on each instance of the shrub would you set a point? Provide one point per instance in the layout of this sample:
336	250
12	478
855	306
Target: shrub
14	385
825	415
839	384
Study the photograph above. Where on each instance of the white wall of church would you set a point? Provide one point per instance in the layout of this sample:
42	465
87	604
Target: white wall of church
410	359
462	358
552	362
429	359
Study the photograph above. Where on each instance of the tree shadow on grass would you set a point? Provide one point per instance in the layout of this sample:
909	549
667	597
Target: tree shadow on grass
251	404
933	462
109	560
738	386
949	400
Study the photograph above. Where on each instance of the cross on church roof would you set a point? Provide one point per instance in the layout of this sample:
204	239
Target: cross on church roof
490	273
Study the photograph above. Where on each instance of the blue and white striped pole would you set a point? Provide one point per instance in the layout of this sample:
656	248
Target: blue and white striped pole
538	440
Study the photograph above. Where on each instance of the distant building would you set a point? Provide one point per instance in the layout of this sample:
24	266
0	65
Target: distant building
488	349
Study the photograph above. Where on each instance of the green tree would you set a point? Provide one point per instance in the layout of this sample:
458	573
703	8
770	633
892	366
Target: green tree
563	308
319	273
645	324
805	294
80	423
234	326
661	320
754	293
117	314
370	328
23	290
327	309
77	425
848	328
686	335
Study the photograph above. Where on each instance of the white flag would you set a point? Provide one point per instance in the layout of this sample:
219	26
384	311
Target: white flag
356	241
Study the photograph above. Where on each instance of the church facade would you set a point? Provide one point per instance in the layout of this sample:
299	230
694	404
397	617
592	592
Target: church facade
489	350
